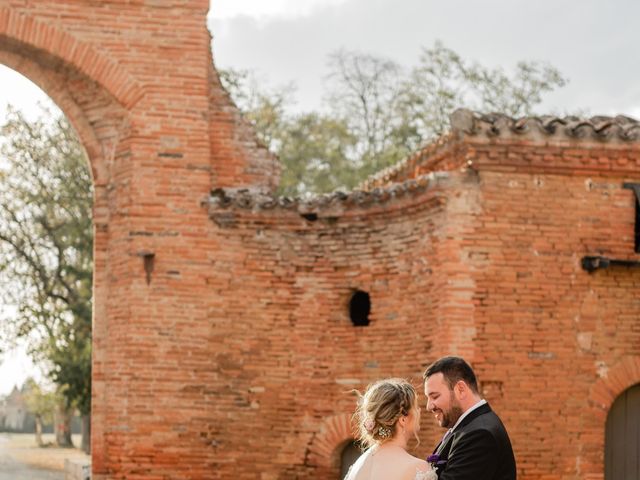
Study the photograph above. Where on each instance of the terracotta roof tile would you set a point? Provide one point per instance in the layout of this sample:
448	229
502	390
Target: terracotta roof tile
600	127
466	123
247	199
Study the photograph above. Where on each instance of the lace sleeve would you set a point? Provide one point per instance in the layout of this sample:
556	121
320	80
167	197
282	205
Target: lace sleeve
429	474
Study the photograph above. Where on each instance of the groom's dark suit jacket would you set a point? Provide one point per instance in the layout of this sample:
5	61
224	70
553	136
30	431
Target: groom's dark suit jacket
478	449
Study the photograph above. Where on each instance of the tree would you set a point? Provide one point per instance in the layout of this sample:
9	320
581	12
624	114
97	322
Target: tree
46	245
316	152
378	112
443	81
394	113
366	91
314	149
42	404
265	107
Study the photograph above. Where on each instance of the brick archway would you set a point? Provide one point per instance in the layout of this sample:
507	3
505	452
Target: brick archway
26	29
55	88
94	107
613	381
334	432
617	379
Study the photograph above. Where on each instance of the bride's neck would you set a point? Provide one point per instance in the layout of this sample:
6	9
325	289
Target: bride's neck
399	441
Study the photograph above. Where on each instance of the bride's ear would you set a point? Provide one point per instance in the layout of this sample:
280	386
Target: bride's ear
402	421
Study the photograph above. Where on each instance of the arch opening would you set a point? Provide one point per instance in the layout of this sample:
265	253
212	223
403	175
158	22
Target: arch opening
622	436
350	453
68	145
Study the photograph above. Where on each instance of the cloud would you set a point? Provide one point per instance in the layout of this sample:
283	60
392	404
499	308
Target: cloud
264	9
590	42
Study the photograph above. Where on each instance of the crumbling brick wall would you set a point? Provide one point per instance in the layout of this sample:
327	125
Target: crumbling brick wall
223	346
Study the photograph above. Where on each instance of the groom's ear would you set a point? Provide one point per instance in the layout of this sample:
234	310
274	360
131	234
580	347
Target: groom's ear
461	389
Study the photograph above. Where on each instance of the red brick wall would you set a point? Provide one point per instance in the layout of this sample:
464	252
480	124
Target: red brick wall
283	346
547	332
552	344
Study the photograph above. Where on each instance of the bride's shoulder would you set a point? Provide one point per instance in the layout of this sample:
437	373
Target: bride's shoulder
418	469
417	462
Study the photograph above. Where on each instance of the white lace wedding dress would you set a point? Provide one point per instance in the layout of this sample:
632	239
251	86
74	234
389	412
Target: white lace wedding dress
363	469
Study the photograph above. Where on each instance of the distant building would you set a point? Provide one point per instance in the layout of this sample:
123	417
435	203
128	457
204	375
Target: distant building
16	417
13	411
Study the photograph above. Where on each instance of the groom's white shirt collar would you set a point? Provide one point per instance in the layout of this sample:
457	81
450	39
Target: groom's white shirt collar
477	405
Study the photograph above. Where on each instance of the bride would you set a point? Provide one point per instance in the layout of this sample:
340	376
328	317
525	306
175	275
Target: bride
388	416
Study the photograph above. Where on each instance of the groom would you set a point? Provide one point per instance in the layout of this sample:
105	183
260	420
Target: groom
476	445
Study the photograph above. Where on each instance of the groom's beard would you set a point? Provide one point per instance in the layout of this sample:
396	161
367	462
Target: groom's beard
451	416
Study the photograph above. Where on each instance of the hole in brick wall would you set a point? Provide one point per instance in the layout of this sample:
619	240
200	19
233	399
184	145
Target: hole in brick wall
359	308
311	217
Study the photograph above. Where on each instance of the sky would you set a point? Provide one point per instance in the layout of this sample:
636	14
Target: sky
593	43
15	368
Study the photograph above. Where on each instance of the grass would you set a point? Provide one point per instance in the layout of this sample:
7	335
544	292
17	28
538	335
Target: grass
22	447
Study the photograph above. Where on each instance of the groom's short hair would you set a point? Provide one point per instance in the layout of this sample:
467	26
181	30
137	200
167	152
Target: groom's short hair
453	370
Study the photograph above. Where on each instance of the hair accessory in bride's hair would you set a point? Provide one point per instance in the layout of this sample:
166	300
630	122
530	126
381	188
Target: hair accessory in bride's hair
369	424
384	432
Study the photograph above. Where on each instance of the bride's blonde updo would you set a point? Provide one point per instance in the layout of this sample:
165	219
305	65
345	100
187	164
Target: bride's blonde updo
380	407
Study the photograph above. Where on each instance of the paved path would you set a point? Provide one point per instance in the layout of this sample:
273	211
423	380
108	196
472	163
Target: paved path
11	469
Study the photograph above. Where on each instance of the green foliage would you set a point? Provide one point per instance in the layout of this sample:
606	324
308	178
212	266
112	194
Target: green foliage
315	149
70	356
365	90
46	244
40	402
264	107
315	152
378	112
443	81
